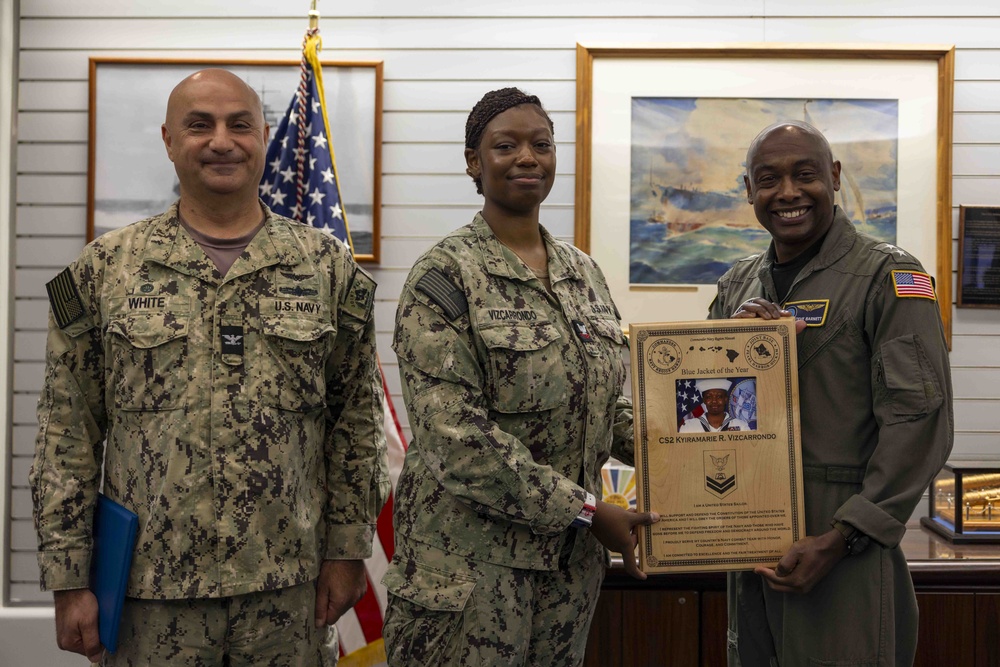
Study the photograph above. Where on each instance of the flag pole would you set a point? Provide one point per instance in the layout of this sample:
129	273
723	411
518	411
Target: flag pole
313	16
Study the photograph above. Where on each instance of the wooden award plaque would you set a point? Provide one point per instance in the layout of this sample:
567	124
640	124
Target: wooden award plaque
728	499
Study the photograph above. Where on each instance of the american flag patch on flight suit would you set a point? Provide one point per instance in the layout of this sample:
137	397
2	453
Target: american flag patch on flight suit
913	284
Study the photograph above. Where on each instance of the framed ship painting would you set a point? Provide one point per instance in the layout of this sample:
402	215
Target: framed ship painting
662	136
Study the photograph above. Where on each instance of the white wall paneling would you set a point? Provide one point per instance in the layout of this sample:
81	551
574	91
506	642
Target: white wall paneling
367	8
49	220
52	158
977	128
404	33
982	32
976	191
50	126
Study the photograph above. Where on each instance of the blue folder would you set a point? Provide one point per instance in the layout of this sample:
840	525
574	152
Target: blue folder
115	530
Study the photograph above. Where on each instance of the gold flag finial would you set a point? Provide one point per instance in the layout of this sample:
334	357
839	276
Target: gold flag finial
313	16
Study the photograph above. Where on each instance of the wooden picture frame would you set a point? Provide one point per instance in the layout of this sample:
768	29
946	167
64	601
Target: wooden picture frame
610	77
129	176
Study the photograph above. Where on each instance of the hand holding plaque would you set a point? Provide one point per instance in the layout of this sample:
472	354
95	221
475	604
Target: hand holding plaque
717	443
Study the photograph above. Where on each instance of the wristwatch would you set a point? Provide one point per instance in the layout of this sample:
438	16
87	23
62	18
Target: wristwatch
856	540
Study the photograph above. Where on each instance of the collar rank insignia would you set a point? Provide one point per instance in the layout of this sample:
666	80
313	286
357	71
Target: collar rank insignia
232	339
812	312
891	249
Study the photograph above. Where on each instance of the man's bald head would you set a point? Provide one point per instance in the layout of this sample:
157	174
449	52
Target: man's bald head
210	77
216	136
787	126
791	181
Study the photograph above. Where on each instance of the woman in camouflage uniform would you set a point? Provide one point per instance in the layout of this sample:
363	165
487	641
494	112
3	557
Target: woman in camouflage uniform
511	357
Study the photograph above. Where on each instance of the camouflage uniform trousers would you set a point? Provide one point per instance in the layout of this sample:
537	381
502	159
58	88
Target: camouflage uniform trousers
269	628
448	610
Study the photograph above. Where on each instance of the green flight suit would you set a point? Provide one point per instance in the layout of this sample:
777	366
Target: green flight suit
877	425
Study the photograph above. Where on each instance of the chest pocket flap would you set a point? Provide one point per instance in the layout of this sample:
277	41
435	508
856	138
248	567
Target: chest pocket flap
609	329
525	370
148	352
293	369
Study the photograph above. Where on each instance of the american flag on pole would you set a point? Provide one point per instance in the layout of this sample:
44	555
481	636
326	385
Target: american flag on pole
300	182
300	175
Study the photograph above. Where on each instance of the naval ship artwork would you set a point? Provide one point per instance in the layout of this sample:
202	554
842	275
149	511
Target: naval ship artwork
690	219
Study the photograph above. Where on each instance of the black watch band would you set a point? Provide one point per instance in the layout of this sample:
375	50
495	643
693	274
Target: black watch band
855	539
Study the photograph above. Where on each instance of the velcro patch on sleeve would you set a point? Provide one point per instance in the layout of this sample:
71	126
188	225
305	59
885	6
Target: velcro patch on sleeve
360	295
913	284
444	293
64	298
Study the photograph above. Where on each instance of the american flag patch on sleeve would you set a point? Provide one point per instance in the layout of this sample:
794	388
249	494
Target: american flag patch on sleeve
913	284
64	299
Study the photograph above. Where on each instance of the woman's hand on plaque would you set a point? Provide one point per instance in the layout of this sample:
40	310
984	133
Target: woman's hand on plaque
615	529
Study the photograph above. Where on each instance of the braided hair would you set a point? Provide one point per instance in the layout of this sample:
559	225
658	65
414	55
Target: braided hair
489	107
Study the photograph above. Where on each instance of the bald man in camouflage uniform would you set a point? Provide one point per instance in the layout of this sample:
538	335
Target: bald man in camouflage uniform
235	401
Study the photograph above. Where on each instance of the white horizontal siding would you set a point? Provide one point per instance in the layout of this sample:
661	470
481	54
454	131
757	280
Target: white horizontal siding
48	220
368	8
420	33
976	160
976	191
409	64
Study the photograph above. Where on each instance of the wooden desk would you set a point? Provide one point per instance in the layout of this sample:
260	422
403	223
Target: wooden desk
680	620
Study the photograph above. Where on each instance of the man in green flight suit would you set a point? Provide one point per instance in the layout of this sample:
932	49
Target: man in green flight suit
876	415
219	360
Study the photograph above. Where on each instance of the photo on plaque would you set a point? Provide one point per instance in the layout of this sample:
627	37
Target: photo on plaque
717	443
716	404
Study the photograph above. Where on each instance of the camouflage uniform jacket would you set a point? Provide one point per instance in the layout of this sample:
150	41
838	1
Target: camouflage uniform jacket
514	399
242	415
876	420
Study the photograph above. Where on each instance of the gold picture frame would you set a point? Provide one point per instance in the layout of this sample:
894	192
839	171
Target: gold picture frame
920	77
129	176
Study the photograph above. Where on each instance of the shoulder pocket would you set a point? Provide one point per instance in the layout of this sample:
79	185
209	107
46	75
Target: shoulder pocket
909	380
525	367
